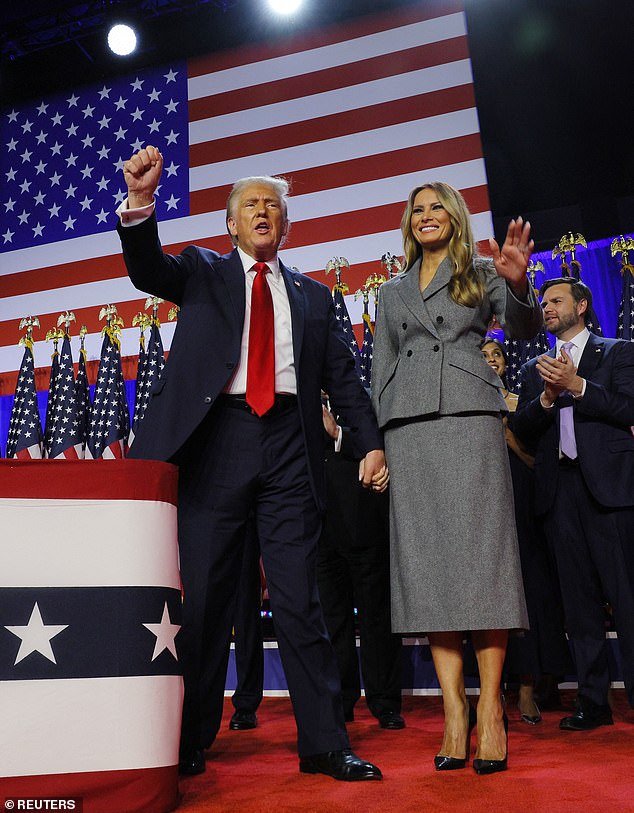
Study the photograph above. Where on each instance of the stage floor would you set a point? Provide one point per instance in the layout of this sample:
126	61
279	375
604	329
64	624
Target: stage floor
550	771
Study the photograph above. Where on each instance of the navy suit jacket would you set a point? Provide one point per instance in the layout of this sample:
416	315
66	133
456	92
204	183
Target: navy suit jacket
210	290
603	420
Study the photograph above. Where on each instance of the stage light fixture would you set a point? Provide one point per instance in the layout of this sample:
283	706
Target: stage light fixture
122	39
285	6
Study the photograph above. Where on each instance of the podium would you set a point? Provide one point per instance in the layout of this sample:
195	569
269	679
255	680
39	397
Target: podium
90	604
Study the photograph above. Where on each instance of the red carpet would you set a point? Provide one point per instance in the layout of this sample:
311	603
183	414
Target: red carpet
549	771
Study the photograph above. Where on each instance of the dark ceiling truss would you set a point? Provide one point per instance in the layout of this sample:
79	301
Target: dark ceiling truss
76	21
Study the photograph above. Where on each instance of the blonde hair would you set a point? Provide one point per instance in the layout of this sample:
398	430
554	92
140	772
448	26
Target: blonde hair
466	286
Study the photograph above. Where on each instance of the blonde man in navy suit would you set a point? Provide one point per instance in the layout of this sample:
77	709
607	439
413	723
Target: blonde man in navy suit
585	485
237	462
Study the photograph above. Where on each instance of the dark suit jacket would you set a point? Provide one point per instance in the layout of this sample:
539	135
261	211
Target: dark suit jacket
210	290
603	420
355	516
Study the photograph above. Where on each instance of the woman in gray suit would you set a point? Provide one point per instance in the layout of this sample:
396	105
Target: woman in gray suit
454	560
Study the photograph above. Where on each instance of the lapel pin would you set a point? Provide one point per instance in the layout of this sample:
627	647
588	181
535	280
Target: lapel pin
298	283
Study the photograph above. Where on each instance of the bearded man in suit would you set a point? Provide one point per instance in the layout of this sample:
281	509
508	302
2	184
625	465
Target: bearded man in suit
576	409
238	408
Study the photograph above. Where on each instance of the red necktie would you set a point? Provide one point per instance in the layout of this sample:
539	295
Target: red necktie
261	361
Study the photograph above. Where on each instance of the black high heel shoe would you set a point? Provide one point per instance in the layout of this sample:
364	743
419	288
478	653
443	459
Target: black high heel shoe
530	719
443	763
485	766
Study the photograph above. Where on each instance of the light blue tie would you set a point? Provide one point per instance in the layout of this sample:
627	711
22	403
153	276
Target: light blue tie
567	441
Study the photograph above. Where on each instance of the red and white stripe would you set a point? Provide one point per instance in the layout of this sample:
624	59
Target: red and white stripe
30	453
75	452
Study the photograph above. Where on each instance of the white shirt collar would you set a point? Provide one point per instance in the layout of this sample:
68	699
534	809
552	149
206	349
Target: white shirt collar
579	341
248	262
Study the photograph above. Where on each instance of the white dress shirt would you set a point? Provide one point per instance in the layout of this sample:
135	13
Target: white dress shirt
579	345
285	381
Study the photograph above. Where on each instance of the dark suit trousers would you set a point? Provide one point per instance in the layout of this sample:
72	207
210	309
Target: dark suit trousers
247	629
594	551
353	570
234	466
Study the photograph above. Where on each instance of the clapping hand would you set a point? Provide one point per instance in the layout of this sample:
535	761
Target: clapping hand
558	374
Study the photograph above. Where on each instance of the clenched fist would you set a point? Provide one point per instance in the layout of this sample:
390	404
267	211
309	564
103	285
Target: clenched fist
142	174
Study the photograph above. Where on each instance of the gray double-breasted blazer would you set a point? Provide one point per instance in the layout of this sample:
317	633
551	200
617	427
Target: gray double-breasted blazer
427	358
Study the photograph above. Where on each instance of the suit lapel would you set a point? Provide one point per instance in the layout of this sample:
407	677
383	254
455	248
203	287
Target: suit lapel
232	274
440	279
409	291
591	356
297	301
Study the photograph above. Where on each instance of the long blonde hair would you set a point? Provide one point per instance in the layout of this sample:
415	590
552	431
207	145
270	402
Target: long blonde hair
466	287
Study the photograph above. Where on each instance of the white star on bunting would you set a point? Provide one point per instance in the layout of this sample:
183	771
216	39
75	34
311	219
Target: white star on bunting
165	634
36	636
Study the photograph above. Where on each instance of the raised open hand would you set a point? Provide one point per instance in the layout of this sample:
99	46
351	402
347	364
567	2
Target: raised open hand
511	261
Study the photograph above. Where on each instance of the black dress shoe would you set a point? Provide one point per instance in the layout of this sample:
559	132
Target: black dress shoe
344	765
243	720
588	715
445	763
191	763
391	720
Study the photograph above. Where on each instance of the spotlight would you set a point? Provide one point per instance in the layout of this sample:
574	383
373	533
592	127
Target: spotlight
284	6
122	39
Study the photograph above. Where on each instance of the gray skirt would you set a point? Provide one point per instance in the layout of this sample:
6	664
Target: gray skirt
453	542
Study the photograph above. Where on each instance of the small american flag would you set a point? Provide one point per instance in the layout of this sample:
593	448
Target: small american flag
625	322
366	351
519	351
66	439
25	428
109	418
153	364
343	317
140	370
82	399
592	322
52	395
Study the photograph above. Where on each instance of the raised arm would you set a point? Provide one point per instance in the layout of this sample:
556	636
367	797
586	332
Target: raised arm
149	268
142	174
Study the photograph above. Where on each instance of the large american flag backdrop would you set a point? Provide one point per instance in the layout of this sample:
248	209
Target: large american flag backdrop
354	116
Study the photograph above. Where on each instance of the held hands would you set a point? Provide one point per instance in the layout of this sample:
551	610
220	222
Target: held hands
511	261
373	471
558	375
142	174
